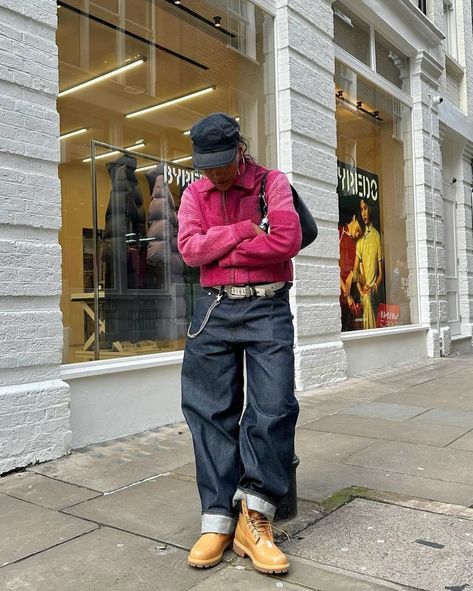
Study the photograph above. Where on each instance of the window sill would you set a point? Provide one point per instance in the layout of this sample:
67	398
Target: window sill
95	368
453	67
382	332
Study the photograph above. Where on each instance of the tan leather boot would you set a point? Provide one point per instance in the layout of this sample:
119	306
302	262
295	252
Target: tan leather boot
208	550
254	538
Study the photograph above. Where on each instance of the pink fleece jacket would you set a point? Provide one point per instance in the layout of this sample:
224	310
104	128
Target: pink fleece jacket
217	235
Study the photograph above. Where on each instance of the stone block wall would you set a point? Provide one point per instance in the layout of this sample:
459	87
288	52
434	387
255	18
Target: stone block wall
308	143
34	402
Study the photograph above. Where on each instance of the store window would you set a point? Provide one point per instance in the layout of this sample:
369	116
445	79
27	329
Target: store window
422	4
378	286
351	33
450	28
134	77
391	64
361	41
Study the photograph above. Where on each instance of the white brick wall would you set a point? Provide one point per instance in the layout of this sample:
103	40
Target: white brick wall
34	402
308	142
459	92
425	84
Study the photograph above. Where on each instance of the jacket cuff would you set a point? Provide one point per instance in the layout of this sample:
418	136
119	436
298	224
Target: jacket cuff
243	230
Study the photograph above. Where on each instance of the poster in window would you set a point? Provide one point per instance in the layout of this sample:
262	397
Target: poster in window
362	287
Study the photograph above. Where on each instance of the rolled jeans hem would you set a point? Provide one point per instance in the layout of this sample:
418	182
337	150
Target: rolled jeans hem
255	503
218	524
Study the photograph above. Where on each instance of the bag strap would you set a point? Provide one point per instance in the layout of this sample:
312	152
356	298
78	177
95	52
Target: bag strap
262	195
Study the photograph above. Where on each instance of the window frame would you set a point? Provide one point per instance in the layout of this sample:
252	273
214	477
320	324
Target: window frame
372	66
450	25
346	59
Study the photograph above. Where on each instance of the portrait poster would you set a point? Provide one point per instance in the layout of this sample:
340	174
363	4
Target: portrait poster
362	285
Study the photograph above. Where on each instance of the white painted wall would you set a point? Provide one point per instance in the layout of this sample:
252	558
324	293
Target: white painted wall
307	152
34	402
384	349
111	405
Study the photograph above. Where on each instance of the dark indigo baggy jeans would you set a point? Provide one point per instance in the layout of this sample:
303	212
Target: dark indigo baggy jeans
251	458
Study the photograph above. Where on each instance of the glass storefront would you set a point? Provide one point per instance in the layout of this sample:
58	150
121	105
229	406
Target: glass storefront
378	286
134	77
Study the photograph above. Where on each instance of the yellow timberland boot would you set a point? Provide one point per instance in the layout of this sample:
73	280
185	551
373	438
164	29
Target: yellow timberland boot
254	538
208	550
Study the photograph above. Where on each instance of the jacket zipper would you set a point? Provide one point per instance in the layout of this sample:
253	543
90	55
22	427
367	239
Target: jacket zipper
225	216
224	206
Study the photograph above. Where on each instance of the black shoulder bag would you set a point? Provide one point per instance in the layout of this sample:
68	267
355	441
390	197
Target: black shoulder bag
308	224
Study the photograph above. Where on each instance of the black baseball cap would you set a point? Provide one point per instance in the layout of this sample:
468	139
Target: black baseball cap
215	140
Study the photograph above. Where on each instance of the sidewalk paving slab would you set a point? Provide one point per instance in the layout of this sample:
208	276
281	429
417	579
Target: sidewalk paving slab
406	546
165	509
445	416
28	529
328	446
105	559
318	479
380	410
465	442
335	398
185	470
40	490
407	432
307	572
303	574
454	400
394	381
115	464
455	385
447	464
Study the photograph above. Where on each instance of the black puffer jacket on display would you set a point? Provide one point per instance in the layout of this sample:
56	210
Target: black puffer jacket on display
123	253
164	262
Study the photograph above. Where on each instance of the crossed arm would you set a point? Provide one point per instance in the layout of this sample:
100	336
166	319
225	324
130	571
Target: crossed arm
243	243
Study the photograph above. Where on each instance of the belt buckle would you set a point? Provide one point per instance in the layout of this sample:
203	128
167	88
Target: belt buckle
236	292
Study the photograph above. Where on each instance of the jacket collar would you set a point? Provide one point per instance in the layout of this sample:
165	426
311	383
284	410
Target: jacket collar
246	179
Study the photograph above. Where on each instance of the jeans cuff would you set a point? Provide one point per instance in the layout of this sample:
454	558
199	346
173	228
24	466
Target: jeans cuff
255	503
218	524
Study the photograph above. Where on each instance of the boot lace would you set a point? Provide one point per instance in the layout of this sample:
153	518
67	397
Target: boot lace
262	526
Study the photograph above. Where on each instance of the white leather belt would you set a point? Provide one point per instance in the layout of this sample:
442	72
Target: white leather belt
238	292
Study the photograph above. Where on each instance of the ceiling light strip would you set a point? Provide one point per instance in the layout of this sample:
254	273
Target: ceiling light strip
126	66
138	144
69	134
174	101
148	167
133	35
182	159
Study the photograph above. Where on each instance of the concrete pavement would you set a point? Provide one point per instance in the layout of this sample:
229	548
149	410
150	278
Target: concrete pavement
385	487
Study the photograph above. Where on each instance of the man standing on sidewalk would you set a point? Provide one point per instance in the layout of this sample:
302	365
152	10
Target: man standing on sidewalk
244	308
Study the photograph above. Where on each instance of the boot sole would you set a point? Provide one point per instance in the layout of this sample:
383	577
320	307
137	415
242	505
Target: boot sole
259	566
210	561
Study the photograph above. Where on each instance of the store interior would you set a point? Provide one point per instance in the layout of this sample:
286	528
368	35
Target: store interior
134	77
374	143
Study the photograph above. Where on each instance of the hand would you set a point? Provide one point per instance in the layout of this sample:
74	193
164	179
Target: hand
351	304
258	230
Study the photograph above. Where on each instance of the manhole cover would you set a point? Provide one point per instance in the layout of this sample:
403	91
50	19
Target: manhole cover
406	546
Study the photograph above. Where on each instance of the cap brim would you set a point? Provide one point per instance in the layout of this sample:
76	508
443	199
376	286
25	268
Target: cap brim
214	159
